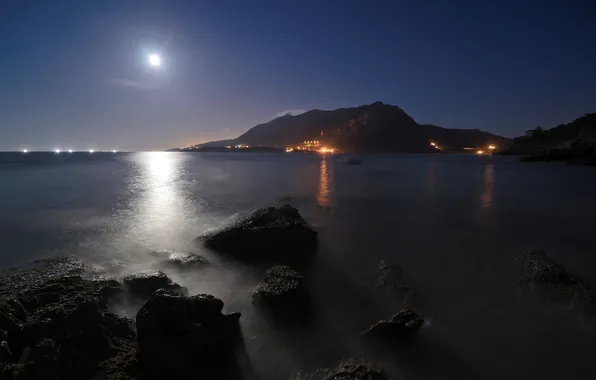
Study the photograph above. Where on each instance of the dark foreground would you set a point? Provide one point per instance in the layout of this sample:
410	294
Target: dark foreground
56	318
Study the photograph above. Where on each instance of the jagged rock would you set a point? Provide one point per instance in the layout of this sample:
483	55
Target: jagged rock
282	290
67	323
544	273
351	369
186	337
123	366
402	325
143	284
186	261
271	232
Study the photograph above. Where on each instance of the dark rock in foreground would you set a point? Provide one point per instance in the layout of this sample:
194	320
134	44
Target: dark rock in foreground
402	325
351	369
283	291
271	232
544	273
143	284
185	337
60	329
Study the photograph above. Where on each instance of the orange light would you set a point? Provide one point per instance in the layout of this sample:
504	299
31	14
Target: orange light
480	152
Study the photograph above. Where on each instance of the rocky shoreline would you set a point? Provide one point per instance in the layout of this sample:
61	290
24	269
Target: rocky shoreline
57	319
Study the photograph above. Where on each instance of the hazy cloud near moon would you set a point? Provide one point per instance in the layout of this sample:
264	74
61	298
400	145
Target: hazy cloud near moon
125	82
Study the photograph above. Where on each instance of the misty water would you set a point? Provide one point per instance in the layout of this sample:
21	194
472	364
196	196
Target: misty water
453	223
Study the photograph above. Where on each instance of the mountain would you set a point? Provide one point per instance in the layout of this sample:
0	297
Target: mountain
573	142
376	127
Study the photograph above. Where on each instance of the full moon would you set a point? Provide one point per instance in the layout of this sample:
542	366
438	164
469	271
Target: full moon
155	60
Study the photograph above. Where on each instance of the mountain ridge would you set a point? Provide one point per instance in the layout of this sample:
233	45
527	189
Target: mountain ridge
375	127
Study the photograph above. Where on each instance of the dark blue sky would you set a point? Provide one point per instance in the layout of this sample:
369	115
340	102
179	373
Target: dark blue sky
75	73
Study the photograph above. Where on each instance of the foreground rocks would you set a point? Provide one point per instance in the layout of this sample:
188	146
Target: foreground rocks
400	326
186	337
60	329
351	369
181	261
143	284
271	232
545	274
283	292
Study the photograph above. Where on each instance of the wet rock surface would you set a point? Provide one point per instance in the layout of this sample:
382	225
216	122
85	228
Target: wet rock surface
60	329
143	284
271	232
186	337
351	369
180	260
283	291
549	277
400	326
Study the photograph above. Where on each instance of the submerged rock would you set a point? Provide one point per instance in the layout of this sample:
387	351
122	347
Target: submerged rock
351	369
270	232
143	284
60	329
185	337
282	290
402	325
544	273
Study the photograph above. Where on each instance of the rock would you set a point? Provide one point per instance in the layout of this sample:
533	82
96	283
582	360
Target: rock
185	337
402	325
186	261
271	232
67	323
282	290
123	366
545	274
351	369
143	284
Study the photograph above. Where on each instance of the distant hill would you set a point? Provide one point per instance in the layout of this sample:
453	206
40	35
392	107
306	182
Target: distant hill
376	127
574	142
539	139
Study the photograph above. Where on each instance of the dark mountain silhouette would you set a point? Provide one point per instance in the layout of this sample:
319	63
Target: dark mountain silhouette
376	127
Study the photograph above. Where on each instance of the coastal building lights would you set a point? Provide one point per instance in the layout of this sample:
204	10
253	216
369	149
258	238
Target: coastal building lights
480	152
492	147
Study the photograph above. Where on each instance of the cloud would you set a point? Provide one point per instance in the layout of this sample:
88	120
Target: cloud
125	82
289	112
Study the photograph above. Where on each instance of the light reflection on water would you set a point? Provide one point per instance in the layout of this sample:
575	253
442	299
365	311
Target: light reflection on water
325	185
488	184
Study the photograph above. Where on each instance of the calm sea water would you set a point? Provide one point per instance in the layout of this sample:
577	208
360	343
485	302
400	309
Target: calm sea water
452	222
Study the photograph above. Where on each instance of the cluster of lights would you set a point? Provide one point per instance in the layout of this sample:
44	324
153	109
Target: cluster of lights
326	150
58	151
434	145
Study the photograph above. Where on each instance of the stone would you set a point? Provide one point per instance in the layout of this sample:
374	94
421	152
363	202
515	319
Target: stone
60	329
271	232
545	274
143	284
282	290
185	337
402	325
186	261
351	369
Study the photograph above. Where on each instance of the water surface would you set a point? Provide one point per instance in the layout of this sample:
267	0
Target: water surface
452	222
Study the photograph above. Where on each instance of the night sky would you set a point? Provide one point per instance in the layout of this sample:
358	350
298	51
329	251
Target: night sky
75	74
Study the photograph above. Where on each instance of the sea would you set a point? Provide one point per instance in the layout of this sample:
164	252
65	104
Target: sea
453	223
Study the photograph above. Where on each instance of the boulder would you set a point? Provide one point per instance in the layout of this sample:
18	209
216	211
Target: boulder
143	284
351	369
402	325
282	291
270	232
548	276
60	329
185	337
186	261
